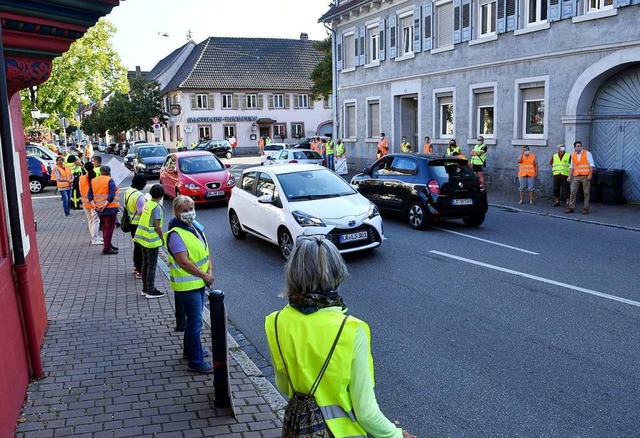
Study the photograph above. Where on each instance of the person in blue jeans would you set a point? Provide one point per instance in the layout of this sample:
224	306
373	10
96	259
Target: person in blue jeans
64	178
191	269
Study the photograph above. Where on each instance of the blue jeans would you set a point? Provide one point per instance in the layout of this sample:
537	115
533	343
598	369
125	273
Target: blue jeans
66	200
192	303
330	163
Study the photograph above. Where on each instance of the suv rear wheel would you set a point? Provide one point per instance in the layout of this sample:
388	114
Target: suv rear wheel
35	184
417	215
474	220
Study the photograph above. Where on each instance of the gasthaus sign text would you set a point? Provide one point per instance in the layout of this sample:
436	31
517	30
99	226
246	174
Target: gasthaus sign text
221	119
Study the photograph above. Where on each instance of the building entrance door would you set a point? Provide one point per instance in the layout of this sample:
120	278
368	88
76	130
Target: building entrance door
409	121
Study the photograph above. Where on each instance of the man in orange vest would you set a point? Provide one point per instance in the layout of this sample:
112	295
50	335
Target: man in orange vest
527	173
383	146
261	145
64	179
103	194
580	173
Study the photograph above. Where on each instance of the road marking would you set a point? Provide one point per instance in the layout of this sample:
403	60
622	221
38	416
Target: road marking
488	241
46	197
541	279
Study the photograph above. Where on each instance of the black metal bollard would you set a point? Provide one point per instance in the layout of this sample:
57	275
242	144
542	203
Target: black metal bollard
220	349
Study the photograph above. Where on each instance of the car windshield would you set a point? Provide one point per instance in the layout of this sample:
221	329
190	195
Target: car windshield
191	165
313	184
152	152
448	168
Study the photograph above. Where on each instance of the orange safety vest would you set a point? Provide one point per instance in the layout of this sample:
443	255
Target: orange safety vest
383	147
64	173
527	167
100	186
581	167
427	148
83	184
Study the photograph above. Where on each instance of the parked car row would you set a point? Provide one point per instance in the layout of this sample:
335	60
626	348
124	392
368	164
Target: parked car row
39	174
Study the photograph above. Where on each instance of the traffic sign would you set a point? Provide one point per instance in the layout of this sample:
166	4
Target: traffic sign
188	129
156	126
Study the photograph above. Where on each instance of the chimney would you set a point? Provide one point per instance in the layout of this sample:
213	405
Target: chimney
138	71
304	36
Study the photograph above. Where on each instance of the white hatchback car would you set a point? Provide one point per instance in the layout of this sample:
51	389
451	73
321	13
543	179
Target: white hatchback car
282	202
304	156
271	149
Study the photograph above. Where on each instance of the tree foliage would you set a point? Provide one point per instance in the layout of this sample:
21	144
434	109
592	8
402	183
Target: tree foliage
146	102
85	73
322	74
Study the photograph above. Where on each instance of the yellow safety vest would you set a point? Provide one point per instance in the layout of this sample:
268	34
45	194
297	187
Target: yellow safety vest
455	150
405	147
181	280
330	148
561	165
145	233
340	149
305	341
131	204
478	160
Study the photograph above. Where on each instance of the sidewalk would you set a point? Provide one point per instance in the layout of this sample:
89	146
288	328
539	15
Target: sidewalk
112	359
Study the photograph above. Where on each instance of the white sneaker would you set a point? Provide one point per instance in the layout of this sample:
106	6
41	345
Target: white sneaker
97	242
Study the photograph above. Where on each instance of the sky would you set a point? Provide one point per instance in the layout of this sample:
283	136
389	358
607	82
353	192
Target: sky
142	24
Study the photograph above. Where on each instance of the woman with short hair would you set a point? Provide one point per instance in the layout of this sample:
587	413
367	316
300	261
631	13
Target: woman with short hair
315	323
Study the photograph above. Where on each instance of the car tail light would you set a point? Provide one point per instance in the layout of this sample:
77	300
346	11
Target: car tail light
43	168
434	187
293	161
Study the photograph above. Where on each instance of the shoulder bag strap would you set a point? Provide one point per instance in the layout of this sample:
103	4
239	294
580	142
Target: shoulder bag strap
280	350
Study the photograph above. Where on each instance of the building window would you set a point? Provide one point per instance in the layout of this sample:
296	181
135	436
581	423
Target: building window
406	44
444	113
200	101
302	101
533	112
227	101
536	12
327	103
487	17
251	101
598	5
373	53
348	51
278	101
483	106
373	118
204	132
444	25
349	120
297	130
280	131
229	131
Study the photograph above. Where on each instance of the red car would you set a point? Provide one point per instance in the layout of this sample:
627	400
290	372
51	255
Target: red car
197	174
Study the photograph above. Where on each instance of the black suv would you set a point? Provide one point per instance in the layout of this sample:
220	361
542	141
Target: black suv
424	188
219	148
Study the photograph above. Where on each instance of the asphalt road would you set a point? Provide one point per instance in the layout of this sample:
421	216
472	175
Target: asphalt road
526	326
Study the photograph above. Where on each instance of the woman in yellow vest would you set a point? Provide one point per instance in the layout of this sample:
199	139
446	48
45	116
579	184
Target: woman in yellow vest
527	173
93	221
149	235
103	194
134	202
301	335
191	270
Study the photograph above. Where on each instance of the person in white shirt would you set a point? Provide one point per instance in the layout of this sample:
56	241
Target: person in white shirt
580	173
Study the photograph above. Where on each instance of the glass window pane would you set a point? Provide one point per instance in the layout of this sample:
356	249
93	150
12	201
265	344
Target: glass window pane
486	121
534	117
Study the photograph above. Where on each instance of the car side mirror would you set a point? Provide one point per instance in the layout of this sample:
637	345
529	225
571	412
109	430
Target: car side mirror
265	199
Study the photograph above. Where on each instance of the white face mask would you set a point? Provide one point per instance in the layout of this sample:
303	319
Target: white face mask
562	149
526	152
188	216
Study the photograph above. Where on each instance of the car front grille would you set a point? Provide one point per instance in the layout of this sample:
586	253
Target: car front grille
372	237
213	185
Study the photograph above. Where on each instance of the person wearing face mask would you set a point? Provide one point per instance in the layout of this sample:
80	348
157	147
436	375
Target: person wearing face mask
405	146
580	173
383	146
560	168
191	270
149	236
527	173
427	147
479	159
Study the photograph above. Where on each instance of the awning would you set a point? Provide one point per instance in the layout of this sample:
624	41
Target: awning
266	121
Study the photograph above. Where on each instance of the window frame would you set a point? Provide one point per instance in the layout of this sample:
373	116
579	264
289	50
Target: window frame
202	129
229	131
202	101
491	18
276	98
251	98
406	41
371	132
601	6
373	53
277	128
438	46
346	134
303	101
438	95
520	110
227	101
348	51
297	133
474	109
540	5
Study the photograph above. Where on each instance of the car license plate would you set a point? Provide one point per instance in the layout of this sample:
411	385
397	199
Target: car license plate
155	170
214	194
362	235
462	202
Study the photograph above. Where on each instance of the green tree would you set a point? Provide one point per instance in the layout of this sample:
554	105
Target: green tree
85	73
94	123
117	115
322	73
146	103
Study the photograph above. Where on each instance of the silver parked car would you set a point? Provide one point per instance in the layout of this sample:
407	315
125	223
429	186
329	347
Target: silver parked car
304	156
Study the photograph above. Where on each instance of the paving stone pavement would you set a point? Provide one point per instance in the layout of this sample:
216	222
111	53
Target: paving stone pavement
112	360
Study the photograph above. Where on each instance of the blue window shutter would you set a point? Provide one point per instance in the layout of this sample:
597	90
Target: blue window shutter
363	47
457	21
568	9
339	50
621	3
553	8
512	15
381	39
466	20
426	45
501	25
417	32
392	36
356	43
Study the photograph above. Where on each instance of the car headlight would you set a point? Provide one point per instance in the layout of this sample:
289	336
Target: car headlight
306	220
231	182
141	165
373	211
192	186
